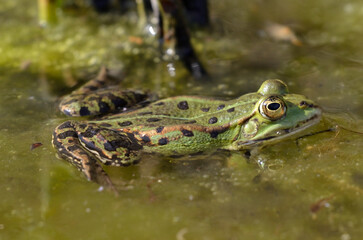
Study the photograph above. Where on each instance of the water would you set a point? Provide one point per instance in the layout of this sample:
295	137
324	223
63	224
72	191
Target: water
310	188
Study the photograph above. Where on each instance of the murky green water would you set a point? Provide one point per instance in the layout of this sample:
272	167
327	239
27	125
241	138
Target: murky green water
42	197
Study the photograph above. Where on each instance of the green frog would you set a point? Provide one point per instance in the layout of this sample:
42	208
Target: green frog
172	126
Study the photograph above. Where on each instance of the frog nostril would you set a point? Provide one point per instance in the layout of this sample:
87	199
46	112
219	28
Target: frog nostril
305	104
84	111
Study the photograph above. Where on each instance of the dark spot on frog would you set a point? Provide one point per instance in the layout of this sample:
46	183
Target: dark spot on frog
90	132
187	133
215	133
153	119
127	141
104	107
125	124
230	110
90	144
66	134
221	107
82	125
163	141
145	113
212	120
118	102
145	138
183	105
105	125
190	122
73	148
205	109
83	111
159	129
109	146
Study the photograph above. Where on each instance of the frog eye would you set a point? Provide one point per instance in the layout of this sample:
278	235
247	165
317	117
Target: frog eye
273	108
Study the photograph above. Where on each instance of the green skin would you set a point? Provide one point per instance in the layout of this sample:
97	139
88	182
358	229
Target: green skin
173	126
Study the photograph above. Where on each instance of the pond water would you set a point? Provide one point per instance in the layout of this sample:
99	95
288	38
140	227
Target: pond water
310	188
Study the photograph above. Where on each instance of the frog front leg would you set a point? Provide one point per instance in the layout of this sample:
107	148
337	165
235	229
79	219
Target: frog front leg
66	141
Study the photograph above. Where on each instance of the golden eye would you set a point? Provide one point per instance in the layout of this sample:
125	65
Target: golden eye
273	108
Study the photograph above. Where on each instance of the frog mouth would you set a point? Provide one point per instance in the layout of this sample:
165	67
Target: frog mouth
284	133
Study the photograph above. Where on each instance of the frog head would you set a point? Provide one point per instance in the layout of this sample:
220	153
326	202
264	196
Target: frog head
277	114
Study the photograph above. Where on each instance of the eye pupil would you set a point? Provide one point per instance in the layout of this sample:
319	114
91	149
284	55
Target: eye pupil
273	106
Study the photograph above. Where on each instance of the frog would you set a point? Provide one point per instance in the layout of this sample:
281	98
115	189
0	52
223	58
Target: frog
125	124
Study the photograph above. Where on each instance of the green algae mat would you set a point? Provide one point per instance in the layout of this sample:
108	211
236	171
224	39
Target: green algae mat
306	188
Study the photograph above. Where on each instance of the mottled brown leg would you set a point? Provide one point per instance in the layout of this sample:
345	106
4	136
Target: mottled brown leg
66	142
100	96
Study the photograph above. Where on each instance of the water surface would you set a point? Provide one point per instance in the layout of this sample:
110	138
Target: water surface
309	189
